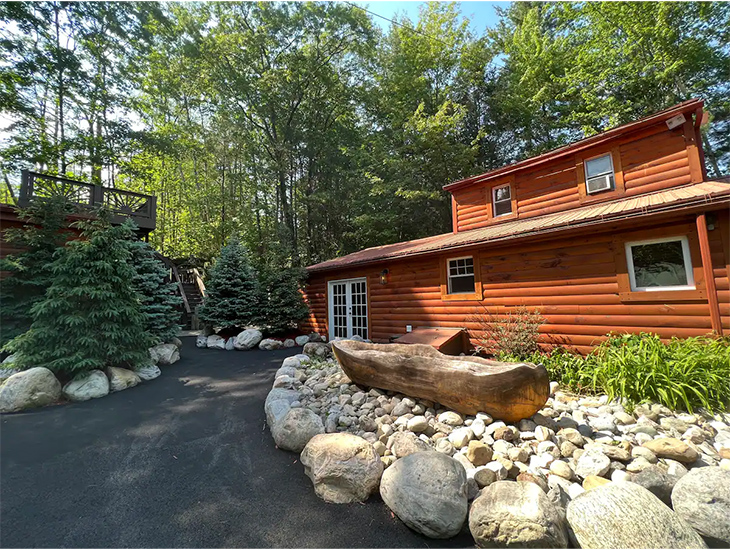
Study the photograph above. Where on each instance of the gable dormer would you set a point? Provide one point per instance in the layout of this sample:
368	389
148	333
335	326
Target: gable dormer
654	153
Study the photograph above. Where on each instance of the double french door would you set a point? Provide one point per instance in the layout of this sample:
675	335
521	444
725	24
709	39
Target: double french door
348	308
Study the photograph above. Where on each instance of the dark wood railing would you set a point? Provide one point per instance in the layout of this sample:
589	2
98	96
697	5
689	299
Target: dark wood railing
122	204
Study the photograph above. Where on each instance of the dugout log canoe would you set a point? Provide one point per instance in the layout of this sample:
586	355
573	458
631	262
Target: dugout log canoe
507	391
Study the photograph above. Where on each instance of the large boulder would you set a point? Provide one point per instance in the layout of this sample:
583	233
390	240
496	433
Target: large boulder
148	372
85	386
316	349
293	431
702	498
216	342
519	514
165	354
670	447
269	344
343	467
28	389
657	480
277	404
625	515
301	340
428	492
289	343
248	339
121	379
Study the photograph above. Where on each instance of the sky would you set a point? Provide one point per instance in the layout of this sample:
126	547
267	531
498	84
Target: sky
481	14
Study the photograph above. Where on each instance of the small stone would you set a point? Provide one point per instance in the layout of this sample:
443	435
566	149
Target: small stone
405	443
637	465
484	477
465	462
418	424
479	453
451	418
443	445
670	447
543	434
504	432
562	469
591	482
644	453
592	462
498	468
605	423
460	437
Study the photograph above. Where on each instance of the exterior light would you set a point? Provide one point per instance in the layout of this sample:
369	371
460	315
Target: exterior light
384	276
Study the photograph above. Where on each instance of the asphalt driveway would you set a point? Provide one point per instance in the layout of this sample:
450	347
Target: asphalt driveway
183	461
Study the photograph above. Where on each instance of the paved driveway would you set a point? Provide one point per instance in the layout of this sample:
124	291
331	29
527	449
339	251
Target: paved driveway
182	461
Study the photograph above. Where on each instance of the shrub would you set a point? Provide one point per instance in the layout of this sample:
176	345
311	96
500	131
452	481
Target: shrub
285	305
159	300
28	271
515	333
233	298
90	316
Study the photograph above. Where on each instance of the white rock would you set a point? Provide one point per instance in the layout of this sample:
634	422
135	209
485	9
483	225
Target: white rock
201	341
301	340
165	354
30	388
451	418
592	463
121	379
289	343
147	372
87	386
269	344
293	362
498	468
417	424
247	339
230	344
461	436
216	342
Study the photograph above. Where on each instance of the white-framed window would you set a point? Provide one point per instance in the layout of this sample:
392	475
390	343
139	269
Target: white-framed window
461	275
501	200
599	174
660	264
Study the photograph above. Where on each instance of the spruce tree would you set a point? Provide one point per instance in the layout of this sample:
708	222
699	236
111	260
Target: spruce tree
160	302
28	272
91	316
233	297
285	305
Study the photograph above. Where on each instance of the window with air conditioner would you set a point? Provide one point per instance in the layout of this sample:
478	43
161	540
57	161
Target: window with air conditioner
599	174
501	200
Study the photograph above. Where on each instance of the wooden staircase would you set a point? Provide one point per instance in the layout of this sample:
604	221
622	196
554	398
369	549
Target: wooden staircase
190	288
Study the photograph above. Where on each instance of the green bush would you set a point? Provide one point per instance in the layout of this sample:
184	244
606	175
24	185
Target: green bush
684	374
285	305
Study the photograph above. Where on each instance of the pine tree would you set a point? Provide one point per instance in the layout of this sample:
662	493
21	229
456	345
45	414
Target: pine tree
91	316
232	291
160	302
285	306
28	272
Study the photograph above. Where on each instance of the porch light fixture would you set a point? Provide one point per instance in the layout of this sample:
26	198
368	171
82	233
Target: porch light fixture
384	276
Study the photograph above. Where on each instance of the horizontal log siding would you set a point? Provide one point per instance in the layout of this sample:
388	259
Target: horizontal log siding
654	159
571	281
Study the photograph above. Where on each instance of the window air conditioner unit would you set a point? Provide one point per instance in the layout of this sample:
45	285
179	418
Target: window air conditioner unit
600	183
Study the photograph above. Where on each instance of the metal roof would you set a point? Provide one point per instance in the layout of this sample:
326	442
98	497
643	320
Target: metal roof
669	199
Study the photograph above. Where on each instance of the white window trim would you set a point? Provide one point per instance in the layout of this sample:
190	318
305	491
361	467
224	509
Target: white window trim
449	276
613	173
494	200
687	264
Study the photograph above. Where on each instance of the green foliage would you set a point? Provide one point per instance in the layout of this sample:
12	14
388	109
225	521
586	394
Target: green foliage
90	316
687	374
513	333
29	269
232	292
159	300
285	306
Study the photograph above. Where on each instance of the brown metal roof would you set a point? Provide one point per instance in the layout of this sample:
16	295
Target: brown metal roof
572	148
667	200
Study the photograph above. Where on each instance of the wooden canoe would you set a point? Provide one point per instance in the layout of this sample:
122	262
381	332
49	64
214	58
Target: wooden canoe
507	391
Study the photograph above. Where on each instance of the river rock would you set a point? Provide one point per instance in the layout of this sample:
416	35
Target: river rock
121	379
702	499
216	342
406	443
625	515
165	354
30	388
427	491
296	428
343	467
516	514
670	447
247	339
592	463
87	386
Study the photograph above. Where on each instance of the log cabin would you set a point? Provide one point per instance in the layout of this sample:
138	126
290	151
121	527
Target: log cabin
620	232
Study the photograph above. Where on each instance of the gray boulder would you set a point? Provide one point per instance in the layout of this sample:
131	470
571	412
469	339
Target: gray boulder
428	492
702	499
148	372
201	341
121	379
277	404
343	467
165	354
519	514
269	344
659	482
230	343
248	339
289	343
317	349
216	342
30	388
625	515
293	431
315	337
87	386
301	340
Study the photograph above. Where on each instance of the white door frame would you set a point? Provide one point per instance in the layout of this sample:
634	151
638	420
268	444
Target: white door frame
348	303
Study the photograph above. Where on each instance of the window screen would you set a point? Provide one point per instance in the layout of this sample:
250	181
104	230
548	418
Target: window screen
461	276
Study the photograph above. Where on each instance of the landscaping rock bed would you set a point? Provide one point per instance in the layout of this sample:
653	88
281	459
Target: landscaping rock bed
253	338
568	475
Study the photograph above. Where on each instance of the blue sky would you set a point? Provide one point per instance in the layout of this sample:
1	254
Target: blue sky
481	14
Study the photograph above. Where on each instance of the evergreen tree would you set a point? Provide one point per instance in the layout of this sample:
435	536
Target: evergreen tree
232	291
91	316
285	306
160	302
28	271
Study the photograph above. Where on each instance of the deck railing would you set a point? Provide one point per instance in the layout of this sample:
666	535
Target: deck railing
122	204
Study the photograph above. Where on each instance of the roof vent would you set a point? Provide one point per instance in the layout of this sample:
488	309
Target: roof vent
675	121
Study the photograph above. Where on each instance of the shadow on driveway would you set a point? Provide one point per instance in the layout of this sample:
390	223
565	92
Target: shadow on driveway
182	461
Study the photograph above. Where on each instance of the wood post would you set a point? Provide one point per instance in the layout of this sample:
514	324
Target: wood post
706	255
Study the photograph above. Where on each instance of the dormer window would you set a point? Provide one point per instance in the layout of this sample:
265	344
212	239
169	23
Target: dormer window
599	174
501	200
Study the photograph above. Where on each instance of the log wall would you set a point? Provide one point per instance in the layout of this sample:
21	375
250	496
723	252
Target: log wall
572	281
